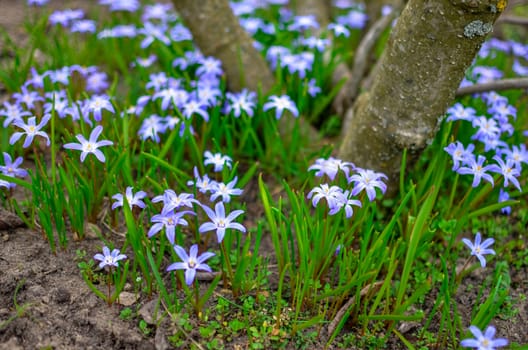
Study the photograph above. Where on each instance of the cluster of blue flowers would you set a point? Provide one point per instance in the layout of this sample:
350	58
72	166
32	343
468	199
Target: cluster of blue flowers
363	180
177	206
502	158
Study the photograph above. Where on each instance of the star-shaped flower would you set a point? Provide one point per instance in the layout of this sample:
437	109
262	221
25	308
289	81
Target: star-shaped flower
90	146
479	249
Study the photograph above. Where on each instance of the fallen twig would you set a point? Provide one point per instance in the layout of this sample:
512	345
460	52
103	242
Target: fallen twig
373	287
497	85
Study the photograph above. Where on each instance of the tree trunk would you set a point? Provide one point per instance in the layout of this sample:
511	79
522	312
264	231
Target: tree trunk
218	33
432	45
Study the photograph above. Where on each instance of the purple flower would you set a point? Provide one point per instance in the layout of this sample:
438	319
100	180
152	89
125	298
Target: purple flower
333	195
339	29
209	66
190	263
459	154
38	2
367	180
195	107
27	97
157	81
12	112
132	198
83	26
354	19
503	197
312	87
172	96
97	104
169	221
153	32
218	160
484	341
281	103
477	169
518	154
491	98
97	82
459	112
151	127
11	169
301	23
508	170
220	189
108	258
244	101
219	222
479	249
90	146
346	203
64	17
330	167
301	63
36	80
313	42
30	130
121	5
171	200
145	61
156	11
203	184
60	75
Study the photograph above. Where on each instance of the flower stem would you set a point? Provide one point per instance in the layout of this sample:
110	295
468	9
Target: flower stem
227	262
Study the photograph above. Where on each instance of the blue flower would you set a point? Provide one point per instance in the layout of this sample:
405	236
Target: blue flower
219	222
108	258
218	160
171	200
220	189
190	263
168	220
132	198
90	146
280	104
484	341
11	169
479	249
30	130
367	180
478	170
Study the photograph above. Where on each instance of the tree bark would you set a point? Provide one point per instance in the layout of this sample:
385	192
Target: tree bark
431	46
218	33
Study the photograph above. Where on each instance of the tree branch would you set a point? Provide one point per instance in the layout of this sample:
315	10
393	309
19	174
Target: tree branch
512	19
497	85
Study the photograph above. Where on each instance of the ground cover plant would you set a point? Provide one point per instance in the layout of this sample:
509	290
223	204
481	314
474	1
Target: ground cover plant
236	234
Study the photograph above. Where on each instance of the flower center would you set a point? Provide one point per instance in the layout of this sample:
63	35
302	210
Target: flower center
191	263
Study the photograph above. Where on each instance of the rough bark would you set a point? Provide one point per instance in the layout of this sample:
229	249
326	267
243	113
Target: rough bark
431	46
217	32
